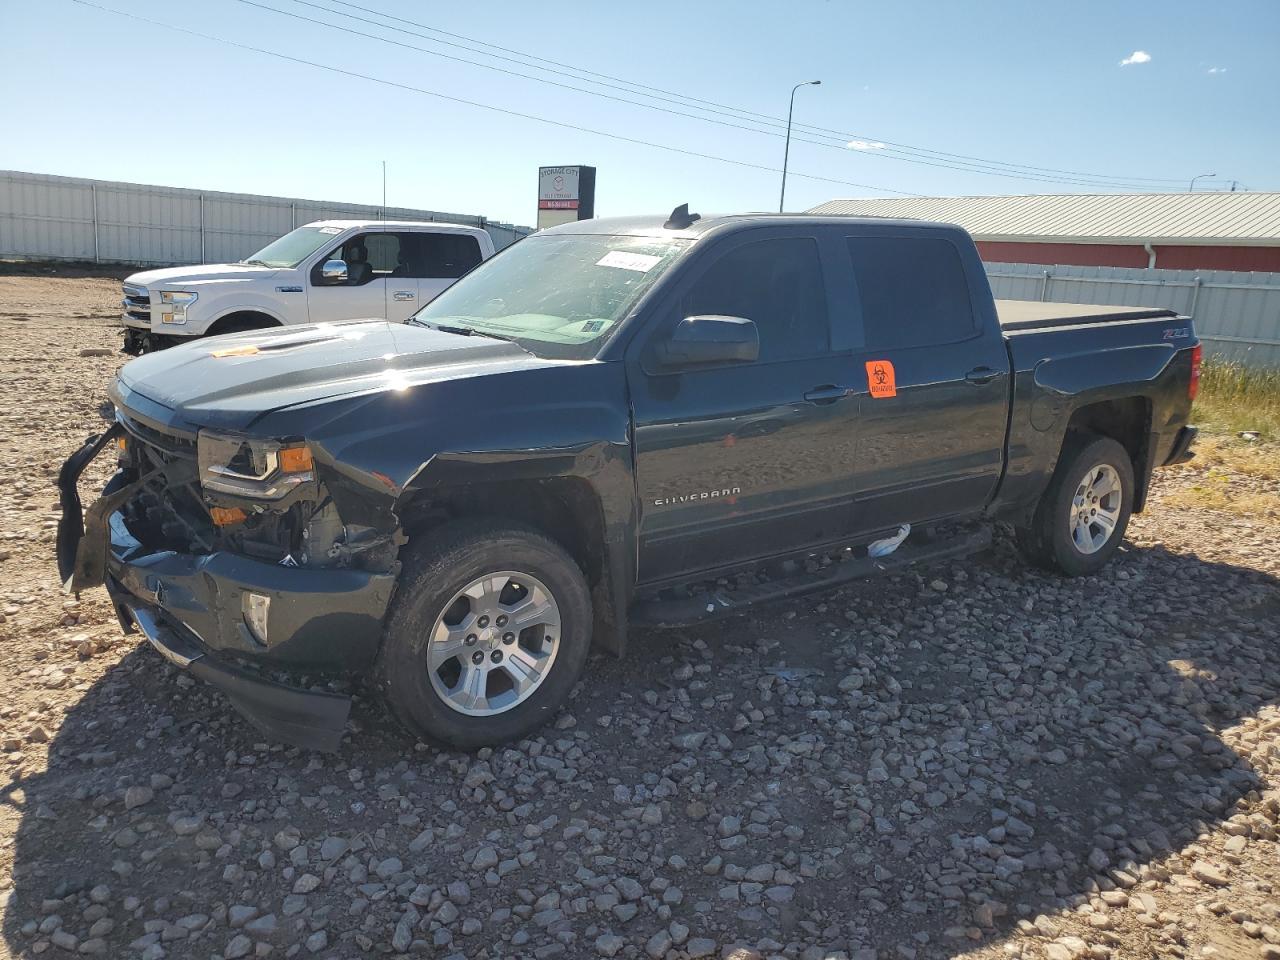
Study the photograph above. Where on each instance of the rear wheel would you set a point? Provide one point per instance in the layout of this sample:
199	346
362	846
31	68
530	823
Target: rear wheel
490	631
1082	517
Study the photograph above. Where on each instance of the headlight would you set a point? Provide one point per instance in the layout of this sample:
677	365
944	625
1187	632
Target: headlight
174	305
250	468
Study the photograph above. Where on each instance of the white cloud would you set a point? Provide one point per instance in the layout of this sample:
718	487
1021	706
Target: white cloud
1138	56
865	145
1217	69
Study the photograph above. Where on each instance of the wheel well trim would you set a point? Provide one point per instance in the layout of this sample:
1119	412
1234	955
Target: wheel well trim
263	311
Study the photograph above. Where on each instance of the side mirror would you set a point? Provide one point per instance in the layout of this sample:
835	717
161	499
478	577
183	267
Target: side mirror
334	271
711	339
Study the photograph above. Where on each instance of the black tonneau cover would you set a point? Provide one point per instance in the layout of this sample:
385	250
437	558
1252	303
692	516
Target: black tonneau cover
1035	315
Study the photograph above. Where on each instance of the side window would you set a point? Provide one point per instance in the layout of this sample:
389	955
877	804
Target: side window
776	283
443	255
368	256
384	253
913	290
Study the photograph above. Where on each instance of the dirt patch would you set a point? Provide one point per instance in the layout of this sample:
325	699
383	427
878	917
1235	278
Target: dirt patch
979	760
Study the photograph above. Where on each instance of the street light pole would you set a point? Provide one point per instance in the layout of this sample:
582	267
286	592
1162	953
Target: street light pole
1201	176
786	153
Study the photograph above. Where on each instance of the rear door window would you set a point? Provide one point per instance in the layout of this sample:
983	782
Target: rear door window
443	256
913	291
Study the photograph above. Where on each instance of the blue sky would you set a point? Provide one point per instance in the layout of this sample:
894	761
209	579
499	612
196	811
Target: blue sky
94	94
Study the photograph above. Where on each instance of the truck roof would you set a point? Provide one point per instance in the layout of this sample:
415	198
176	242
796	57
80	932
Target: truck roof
399	224
654	226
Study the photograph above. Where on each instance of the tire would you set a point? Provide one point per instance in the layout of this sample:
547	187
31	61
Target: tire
1063	535
435	634
241	324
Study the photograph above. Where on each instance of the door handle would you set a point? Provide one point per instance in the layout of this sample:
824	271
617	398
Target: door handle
827	393
981	375
402	295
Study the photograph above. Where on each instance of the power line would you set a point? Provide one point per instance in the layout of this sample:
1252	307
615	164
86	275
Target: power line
476	103
888	154
712	106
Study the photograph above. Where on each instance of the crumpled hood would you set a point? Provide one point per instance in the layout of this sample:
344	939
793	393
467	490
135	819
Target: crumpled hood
171	276
233	380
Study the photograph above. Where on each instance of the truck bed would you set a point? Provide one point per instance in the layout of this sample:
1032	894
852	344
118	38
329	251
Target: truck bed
1017	315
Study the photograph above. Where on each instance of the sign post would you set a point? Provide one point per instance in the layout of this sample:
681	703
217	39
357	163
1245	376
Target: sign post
565	194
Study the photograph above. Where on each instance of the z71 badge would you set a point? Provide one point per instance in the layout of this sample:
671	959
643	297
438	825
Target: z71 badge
1177	333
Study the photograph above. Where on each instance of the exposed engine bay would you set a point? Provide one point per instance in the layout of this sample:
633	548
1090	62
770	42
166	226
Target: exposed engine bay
176	509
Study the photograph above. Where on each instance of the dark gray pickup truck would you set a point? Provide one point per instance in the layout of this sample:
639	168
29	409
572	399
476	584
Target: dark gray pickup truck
594	427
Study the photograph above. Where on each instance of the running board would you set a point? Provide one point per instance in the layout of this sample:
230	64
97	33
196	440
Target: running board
725	602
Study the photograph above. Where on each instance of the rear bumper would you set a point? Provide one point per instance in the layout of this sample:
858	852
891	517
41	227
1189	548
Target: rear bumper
1181	450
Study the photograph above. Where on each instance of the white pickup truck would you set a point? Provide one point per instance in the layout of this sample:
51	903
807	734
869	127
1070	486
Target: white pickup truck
327	270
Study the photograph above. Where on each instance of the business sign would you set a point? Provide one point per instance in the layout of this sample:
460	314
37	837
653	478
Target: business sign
557	188
565	194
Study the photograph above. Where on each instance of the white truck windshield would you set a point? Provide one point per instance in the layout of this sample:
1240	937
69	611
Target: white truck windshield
294	247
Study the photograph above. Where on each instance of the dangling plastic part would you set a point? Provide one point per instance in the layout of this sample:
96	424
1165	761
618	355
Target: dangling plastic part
882	548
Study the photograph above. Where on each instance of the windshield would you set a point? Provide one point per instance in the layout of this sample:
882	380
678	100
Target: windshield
555	295
294	247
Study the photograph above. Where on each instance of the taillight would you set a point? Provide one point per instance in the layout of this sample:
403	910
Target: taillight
1194	386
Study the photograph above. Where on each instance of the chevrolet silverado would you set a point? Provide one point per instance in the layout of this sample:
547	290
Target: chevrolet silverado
607	422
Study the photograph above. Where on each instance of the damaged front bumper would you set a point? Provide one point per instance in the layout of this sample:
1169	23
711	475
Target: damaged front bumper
305	718
193	608
140	340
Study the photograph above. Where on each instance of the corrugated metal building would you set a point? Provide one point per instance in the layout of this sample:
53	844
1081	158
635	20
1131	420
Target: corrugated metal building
71	218
1176	231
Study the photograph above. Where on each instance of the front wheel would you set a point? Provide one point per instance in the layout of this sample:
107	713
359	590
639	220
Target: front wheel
489	633
1081	519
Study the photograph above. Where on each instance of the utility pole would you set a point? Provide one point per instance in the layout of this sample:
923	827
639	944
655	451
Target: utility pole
786	153
384	189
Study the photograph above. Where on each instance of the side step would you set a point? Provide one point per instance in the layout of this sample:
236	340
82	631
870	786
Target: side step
713	604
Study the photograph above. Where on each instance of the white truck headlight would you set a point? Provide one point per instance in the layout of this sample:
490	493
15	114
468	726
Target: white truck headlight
174	303
252	468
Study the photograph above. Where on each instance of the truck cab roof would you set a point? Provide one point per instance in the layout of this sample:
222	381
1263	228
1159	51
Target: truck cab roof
433	225
655	226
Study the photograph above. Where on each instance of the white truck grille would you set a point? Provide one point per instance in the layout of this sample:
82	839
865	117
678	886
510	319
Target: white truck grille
136	305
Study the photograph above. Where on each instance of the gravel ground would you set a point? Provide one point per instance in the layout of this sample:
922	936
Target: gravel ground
980	761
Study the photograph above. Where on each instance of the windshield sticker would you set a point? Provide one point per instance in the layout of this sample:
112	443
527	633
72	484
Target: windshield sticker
639	262
880	379
330	230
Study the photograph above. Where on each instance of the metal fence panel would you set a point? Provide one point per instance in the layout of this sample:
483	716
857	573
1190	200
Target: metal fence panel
1237	315
44	217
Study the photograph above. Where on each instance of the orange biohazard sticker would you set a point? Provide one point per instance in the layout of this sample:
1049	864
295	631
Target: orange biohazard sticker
880	379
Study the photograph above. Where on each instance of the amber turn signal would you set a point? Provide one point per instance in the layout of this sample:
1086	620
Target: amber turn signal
296	460
226	516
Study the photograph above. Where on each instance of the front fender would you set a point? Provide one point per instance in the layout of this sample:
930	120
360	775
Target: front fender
233	297
599	475
387	457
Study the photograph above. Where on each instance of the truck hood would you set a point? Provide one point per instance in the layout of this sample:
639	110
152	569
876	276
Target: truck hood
171	276
232	381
